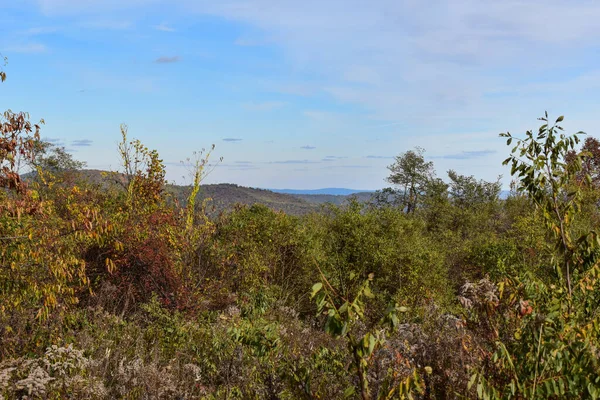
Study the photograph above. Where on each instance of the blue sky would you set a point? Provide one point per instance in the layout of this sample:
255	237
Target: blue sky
301	94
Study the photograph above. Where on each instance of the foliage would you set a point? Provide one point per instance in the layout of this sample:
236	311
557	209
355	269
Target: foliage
255	247
590	161
62	372
343	316
17	143
38	256
134	290
54	159
198	173
545	175
2	73
411	173
466	191
547	346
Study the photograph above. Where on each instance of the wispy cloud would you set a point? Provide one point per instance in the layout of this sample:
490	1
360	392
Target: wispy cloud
163	27
332	158
352	166
308	147
167	60
248	42
395	71
420	59
95	79
295	89
317	115
467	155
388	124
232	139
25	48
106	24
82	143
40	30
294	162
264	106
54	141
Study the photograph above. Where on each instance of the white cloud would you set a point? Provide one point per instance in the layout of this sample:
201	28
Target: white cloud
416	57
264	106
164	28
106	24
39	30
248	42
319	115
27	48
77	7
453	70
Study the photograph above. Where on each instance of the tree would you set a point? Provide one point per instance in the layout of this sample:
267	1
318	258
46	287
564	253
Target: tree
411	173
17	142
54	159
466	191
590	152
547	346
540	162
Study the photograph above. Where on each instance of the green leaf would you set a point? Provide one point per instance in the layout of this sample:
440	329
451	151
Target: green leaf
559	119
472	381
349	392
343	308
394	320
402	309
316	288
592	390
372	343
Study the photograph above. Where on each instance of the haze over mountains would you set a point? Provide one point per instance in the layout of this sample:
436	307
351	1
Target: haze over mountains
224	196
330	191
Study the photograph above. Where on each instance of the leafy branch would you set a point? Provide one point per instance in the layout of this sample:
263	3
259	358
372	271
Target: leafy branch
342	317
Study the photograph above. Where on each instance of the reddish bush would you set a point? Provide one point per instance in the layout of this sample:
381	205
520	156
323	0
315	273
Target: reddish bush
138	264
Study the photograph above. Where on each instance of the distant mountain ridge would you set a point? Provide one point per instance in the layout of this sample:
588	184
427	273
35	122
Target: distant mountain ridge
327	191
224	196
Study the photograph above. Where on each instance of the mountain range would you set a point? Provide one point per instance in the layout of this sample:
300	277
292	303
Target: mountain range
328	191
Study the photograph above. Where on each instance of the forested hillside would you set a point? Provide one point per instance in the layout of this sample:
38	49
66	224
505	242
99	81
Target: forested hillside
435	289
220	197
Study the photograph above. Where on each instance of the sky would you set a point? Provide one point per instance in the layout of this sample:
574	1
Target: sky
301	94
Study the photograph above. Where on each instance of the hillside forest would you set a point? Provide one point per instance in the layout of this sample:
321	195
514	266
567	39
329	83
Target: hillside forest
436	288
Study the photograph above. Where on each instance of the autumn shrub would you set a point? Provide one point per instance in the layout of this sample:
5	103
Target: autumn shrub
139	256
407	265
41	271
255	248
